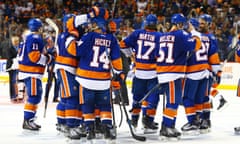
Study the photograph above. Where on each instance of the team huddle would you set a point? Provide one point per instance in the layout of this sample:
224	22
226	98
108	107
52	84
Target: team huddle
181	64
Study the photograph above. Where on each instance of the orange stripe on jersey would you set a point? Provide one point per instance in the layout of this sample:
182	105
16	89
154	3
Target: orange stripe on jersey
172	92
30	107
197	67
71	112
106	114
33	86
122	44
214	59
93	74
170	112
198	43
117	63
65	83
34	56
145	66
106	15
198	107
151	112
135	111
89	116
72	48
190	110
79	114
60	113
33	69
97	112
81	98
170	69
207	105
237	58
67	61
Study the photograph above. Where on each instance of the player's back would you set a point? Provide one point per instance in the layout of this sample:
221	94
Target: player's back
29	56
64	59
172	55
197	64
96	51
144	44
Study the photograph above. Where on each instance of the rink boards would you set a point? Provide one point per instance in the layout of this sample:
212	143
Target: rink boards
229	81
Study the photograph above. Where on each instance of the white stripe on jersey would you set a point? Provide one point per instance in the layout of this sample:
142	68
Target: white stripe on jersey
94	84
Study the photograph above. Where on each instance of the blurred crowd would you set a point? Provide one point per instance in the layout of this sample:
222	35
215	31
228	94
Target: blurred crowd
14	14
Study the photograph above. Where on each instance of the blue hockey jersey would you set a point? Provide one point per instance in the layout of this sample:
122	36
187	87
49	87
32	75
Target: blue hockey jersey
144	43
98	54
31	59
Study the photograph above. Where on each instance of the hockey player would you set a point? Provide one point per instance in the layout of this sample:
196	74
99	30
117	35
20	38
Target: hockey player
98	53
32	61
69	112
215	68
143	42
50	68
65	66
196	81
171	67
214	92
114	25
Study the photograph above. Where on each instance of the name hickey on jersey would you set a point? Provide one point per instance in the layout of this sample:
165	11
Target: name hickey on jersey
102	42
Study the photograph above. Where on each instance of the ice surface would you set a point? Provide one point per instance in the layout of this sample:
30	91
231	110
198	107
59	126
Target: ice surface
223	123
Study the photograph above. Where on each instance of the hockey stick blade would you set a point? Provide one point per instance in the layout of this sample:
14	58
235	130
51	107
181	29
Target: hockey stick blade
56	29
52	24
137	137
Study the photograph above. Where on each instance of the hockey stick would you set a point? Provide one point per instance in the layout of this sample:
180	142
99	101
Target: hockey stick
113	9
137	137
56	29
113	112
50	75
48	88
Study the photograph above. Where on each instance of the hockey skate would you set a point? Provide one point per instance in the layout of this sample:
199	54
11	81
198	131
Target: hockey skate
190	129
98	128
149	127
222	104
237	130
90	132
30	125
73	133
205	126
169	133
109	132
61	128
134	123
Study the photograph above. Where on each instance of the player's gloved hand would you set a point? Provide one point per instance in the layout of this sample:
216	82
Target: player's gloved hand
94	12
117	80
216	79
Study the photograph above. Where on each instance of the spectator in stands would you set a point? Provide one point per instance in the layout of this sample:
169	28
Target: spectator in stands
10	53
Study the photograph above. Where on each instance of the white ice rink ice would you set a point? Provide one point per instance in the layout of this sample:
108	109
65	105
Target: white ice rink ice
223	123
